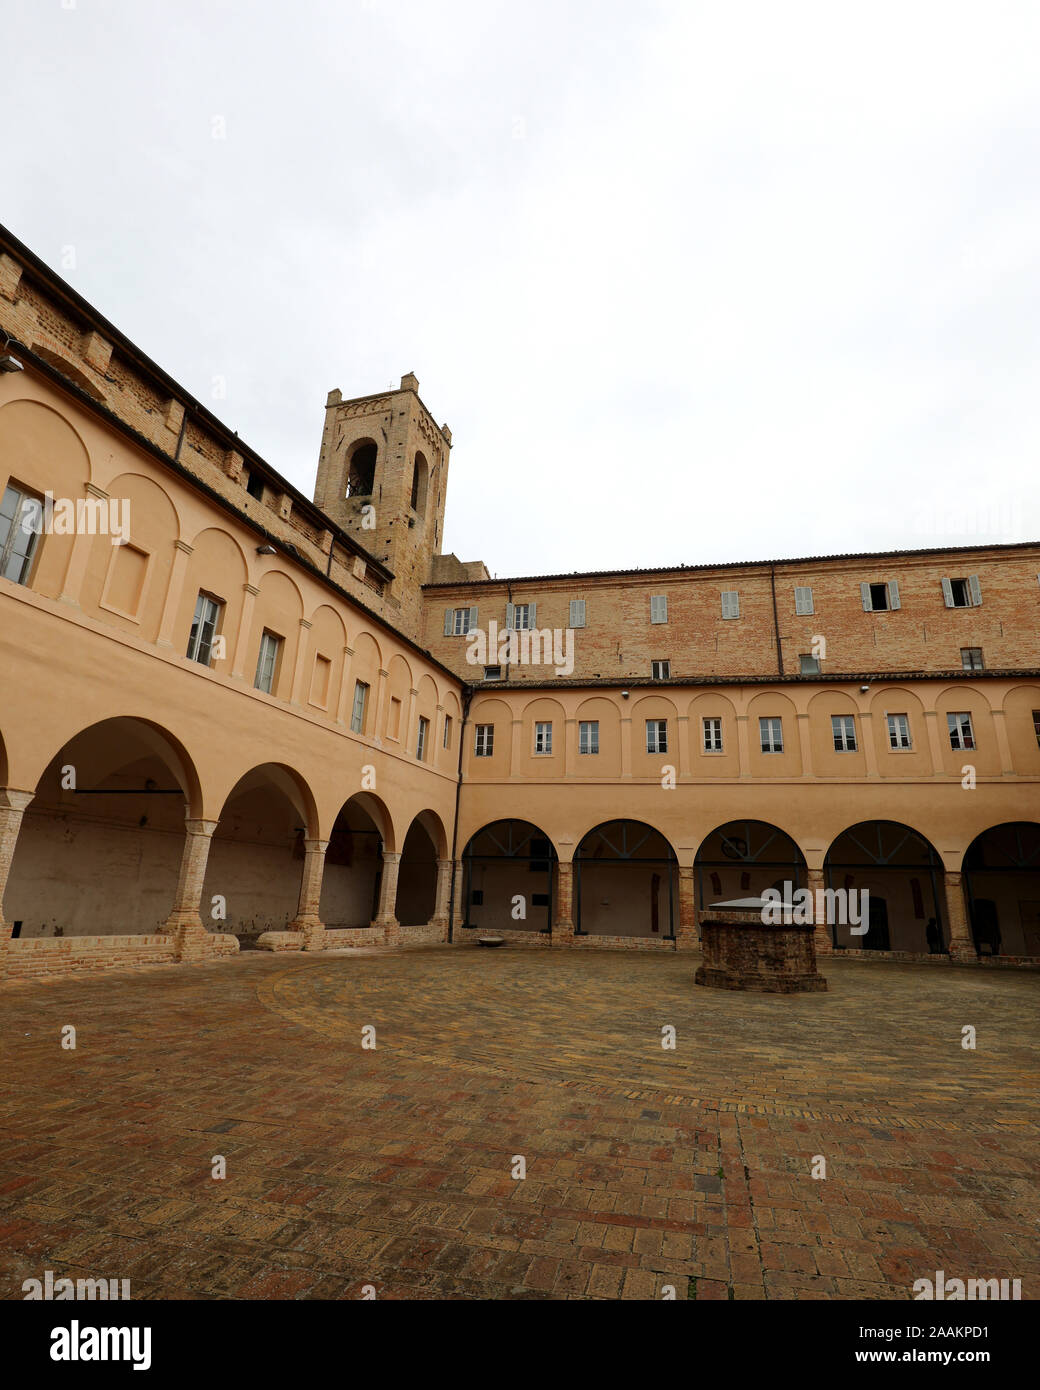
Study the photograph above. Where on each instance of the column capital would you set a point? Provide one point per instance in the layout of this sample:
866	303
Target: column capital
11	799
250	589
200	827
184	547
94	491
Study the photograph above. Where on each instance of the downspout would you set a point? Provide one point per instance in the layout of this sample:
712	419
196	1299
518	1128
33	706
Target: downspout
776	621
467	696
509	601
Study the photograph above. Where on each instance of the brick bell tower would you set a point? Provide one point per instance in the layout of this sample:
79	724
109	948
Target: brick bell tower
383	476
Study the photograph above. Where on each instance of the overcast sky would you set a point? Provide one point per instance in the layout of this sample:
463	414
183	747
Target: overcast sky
689	282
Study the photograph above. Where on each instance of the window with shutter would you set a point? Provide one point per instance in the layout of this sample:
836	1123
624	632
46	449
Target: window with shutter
659	608
577	613
893	593
803	599
730	603
974	590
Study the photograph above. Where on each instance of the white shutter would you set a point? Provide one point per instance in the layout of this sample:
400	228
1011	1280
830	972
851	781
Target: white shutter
577	613
947	588
864	590
803	599
659	608
472	619
449	621
975	589
893	593
730	603
510	617
532	614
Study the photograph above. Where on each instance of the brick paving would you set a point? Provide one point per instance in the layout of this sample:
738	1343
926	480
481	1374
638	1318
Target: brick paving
391	1167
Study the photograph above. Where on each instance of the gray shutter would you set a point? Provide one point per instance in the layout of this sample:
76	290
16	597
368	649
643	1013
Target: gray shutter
730	603
577	613
975	589
472	619
532	615
893	593
510	616
947	588
803	599
864	590
449	621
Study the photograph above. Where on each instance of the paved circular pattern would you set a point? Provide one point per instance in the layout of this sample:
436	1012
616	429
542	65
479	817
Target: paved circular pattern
881	1041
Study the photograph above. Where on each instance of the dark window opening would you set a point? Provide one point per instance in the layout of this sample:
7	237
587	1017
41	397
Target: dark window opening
362	473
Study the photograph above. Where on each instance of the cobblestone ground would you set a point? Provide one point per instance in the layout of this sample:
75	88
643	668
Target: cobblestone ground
645	1167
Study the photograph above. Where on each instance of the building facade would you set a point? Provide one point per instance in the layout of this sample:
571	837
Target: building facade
231	714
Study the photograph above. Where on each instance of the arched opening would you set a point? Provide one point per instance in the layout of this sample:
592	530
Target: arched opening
100	846
1002	884
625	882
508	869
417	875
256	856
354	864
361	471
901	874
743	858
420	484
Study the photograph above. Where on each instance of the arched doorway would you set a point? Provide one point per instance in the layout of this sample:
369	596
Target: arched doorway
902	874
743	858
354	863
508	870
417	876
100	845
625	882
1002	885
256	856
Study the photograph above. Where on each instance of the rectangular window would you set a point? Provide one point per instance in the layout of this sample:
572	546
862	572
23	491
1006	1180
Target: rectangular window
447	731
420	746
971	658
357	714
459	621
543	739
576	617
21	519
657	735
203	628
659	608
484	740
393	722
660	670
877	598
961	734
265	662
803	599
588	736
712	735
492	673
521	617
962	593
808	665
1036	726
771	733
898	731
843	728
730	603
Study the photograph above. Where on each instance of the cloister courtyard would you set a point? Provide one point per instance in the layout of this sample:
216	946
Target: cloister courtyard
646	1168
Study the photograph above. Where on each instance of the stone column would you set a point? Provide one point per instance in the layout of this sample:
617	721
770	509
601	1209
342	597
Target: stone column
1007	762
77	566
684	746
346	689
867	737
308	914
440	902
570	747
516	747
12	808
563	898
411	731
934	745
743	748
174	589
962	946
386	915
379	706
822	936
245	628
686	936
805	743
184	923
297	696
458	915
